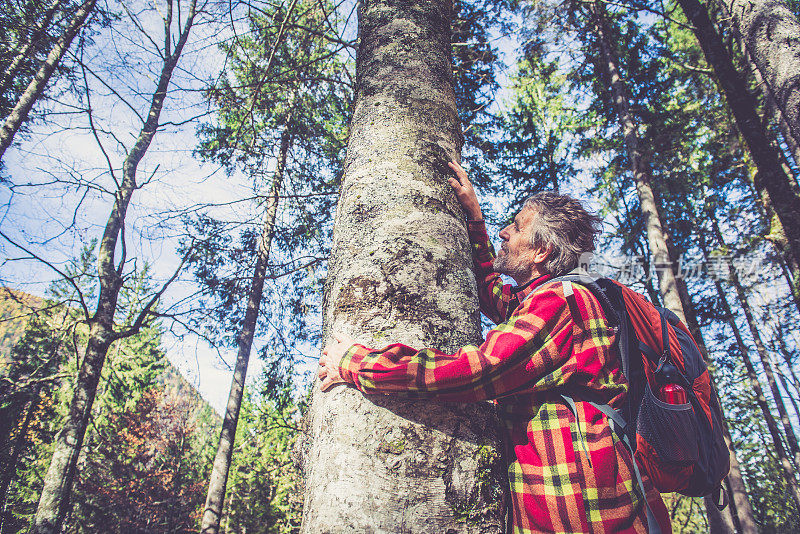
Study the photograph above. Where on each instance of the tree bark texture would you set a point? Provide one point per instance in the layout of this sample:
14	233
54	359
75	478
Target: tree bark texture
769	32
54	500
400	271
719	522
34	90
771	179
215	498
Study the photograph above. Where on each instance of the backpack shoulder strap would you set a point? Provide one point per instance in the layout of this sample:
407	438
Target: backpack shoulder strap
618	427
610	296
580	277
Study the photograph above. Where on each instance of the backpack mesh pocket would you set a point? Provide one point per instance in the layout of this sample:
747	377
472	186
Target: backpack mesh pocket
671	429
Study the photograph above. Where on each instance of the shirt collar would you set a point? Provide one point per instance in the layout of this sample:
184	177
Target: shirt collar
527	288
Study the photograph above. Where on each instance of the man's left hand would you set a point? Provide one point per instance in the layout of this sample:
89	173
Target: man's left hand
329	361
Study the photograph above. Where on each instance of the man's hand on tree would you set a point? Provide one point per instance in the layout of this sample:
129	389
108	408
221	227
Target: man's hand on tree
329	361
465	192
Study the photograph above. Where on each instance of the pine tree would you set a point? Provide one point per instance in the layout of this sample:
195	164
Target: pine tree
288	101
36	87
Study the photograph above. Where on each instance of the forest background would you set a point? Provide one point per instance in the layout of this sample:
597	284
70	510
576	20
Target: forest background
170	171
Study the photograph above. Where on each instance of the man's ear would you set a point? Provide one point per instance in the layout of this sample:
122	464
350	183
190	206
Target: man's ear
541	254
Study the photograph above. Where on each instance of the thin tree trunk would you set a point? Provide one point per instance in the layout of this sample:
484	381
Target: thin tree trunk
772	181
222	461
54	500
656	236
761	350
741	512
720	522
34	90
785	386
23	52
761	400
768	30
787	275
400	271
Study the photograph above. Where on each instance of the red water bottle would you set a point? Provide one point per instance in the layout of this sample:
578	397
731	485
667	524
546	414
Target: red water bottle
672	394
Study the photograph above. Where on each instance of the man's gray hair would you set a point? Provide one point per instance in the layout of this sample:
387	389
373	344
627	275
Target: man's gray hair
562	224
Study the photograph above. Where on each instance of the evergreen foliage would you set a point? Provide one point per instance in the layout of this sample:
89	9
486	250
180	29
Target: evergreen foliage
283	91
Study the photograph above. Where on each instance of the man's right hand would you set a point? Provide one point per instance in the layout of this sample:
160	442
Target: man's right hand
465	192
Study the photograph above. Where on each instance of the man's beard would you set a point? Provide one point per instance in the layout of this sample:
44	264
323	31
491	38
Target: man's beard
513	267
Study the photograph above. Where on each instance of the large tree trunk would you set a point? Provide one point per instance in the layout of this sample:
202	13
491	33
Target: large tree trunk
54	500
773	183
768	30
720	522
39	82
400	271
222	461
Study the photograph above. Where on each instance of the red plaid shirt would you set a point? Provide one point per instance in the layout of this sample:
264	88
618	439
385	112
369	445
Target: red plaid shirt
565	475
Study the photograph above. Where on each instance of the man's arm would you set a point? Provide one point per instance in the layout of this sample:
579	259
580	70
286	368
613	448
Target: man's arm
495	297
517	357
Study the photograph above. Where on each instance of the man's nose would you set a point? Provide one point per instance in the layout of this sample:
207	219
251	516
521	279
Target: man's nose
504	235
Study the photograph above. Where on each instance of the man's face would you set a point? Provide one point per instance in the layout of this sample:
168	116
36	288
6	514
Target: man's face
516	255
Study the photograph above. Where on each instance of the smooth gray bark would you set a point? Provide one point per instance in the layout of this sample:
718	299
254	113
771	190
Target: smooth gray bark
400	271
215	498
54	500
719	522
34	90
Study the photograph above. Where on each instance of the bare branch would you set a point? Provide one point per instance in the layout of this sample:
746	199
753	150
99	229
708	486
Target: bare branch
146	311
56	269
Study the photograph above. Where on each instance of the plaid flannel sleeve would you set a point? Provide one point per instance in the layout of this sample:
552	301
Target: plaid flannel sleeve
518	356
495	297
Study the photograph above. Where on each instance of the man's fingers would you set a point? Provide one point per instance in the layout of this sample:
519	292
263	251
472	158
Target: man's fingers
328	382
460	172
325	384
